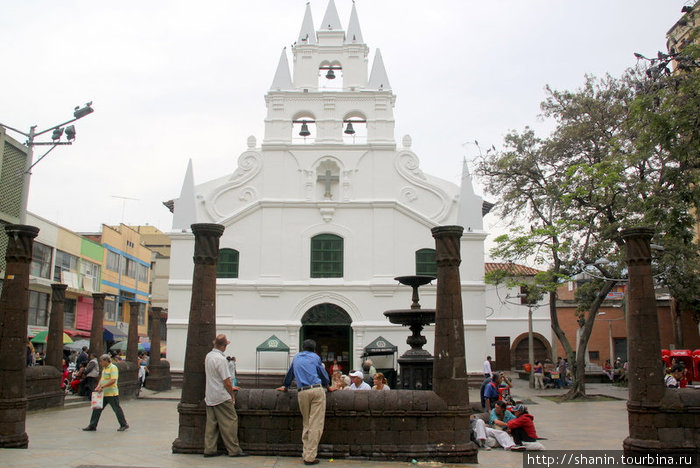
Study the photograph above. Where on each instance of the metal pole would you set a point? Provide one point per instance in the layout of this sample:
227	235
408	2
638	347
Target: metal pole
27	176
612	348
530	347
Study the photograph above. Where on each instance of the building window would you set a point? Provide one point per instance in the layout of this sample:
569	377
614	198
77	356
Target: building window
38	308
112	261
64	262
90	273
142	314
41	260
110	310
142	272
227	265
327	256
426	263
69	313
594	355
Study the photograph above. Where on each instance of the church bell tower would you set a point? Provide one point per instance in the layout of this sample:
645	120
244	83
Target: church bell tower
329	98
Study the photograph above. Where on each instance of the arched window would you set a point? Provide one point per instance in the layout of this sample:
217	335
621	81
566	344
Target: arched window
426	263
326	256
227	265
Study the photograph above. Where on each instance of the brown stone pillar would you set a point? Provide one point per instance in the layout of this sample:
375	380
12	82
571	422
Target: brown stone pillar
450	366
14	307
132	343
155	334
644	366
159	378
54	339
201	332
97	330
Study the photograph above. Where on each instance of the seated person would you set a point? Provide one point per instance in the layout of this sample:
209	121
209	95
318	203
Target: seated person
673	378
357	381
522	428
498	420
491	394
380	382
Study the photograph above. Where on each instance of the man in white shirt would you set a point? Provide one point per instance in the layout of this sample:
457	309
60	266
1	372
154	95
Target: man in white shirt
357	381
487	367
220	400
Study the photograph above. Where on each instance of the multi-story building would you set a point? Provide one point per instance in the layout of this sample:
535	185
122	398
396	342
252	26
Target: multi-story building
125	276
62	256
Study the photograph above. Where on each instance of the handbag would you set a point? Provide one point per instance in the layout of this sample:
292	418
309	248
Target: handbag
96	401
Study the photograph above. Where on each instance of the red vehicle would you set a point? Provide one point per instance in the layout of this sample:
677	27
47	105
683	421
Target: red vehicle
687	358
696	364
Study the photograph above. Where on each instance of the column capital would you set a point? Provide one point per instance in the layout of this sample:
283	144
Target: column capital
447	241
206	246
20	239
58	292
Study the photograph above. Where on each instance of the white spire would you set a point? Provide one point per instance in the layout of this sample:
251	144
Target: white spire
378	78
354	33
185	212
331	20
307	35
469	215
283	79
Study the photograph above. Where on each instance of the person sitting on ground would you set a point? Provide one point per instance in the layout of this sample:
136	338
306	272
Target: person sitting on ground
673	378
498	419
487	380
522	428
607	370
380	382
357	381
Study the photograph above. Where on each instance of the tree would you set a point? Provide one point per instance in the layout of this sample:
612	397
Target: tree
600	171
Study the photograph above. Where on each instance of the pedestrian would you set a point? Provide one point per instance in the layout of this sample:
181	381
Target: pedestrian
232	369
108	386
91	373
220	399
311	377
487	367
538	371
82	359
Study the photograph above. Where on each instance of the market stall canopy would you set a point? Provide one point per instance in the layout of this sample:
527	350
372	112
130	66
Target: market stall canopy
77	345
41	338
380	346
273	344
112	333
121	345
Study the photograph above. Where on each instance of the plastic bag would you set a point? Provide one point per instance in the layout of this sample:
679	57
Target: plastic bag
96	400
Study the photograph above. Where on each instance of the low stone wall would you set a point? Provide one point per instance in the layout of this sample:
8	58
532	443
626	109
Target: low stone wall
672	427
396	425
159	376
43	386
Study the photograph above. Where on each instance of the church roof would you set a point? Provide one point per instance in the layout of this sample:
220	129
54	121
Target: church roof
282	79
307	35
378	78
512	268
354	33
185	207
331	20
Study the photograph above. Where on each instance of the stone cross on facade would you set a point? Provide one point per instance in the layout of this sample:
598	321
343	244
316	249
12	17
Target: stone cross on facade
327	180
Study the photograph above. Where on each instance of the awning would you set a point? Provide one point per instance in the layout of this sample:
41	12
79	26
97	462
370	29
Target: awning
380	346
72	332
112	333
273	344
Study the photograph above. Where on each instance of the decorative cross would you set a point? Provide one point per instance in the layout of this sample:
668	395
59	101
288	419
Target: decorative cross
328	179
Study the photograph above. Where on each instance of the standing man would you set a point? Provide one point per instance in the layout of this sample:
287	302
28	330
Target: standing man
82	359
220	400
311	378
108	385
487	367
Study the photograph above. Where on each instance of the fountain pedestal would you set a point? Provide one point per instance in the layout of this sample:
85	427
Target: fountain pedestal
416	364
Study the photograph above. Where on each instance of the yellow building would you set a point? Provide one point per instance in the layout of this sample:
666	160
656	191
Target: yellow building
125	275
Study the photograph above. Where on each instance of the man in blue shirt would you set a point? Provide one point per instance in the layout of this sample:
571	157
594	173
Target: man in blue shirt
307	369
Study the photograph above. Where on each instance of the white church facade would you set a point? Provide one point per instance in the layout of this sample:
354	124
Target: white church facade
322	214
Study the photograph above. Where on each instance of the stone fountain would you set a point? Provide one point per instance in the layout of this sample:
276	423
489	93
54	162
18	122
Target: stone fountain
416	364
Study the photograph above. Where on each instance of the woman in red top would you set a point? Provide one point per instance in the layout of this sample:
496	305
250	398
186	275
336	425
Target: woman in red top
522	428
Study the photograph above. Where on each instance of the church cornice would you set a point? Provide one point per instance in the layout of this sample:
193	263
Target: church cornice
388	146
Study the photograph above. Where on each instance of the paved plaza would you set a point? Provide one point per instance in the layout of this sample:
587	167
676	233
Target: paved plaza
56	439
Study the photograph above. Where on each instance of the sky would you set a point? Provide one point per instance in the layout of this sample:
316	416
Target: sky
176	80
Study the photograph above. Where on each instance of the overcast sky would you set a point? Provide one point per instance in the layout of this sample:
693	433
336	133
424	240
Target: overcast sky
174	80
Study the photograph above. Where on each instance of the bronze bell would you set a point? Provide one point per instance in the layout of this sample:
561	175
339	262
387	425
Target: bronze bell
349	130
304	130
330	75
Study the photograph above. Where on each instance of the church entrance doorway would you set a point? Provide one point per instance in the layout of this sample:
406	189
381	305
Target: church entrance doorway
329	326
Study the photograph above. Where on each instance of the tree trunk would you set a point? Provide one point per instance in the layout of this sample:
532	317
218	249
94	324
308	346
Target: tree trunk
676	322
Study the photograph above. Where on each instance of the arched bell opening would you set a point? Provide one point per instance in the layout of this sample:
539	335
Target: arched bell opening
354	129
330	76
303	129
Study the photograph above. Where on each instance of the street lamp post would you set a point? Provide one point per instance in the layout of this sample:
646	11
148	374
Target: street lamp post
58	132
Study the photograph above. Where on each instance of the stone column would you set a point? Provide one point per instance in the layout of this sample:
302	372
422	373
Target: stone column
159	378
97	330
201	332
132	343
14	307
450	366
644	366
54	339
